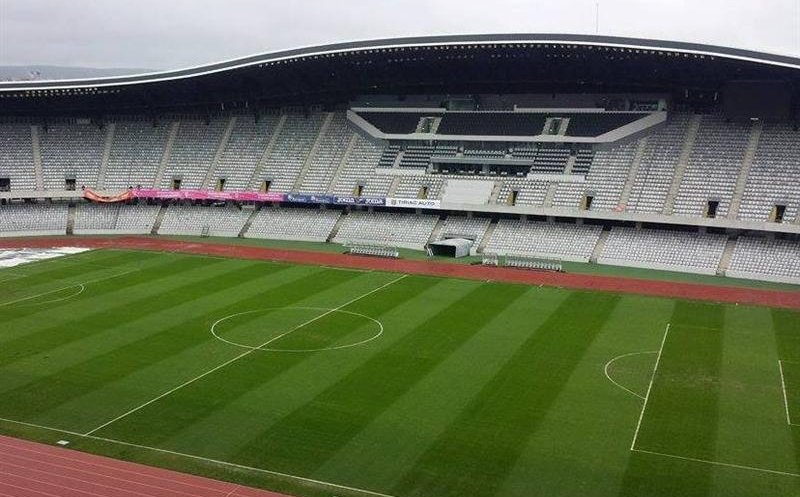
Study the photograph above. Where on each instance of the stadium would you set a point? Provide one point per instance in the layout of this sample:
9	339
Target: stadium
466	265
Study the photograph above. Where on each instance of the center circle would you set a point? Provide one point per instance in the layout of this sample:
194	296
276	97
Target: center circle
291	321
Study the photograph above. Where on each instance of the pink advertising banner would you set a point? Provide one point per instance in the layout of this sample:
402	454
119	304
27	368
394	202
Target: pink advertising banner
208	195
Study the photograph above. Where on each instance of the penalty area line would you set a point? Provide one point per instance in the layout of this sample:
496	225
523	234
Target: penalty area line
240	356
199	458
718	463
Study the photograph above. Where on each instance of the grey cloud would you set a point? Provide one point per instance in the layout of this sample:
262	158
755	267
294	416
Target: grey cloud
176	33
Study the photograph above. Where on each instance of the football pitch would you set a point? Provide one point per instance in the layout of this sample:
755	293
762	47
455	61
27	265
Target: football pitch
319	381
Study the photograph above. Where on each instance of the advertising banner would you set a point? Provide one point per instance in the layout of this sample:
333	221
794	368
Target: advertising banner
207	195
413	203
344	200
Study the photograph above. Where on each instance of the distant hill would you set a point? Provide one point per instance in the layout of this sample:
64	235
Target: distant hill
40	73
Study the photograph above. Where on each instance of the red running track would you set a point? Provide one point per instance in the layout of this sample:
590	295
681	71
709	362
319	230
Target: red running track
29	469
693	291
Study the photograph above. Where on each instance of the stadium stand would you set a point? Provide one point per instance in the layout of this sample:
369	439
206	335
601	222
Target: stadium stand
203	220
774	175
471	228
657	168
292	148
193	152
688	252
766	259
115	219
136	154
244	149
561	241
16	156
71	151
33	219
386	229
713	167
312	225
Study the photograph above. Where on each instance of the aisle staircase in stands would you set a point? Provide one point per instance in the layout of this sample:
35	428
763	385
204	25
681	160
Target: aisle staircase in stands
683	163
101	175
625	196
71	219
37	157
744	171
727	255
221	146
256	179
162	166
159	219
336	227
487	236
249	221
599	246
298	182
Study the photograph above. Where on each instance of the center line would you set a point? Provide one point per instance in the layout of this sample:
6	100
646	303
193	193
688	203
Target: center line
241	356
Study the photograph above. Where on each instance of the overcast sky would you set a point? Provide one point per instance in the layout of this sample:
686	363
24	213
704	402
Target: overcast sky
162	34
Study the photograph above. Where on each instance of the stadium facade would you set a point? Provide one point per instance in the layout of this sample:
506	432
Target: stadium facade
560	147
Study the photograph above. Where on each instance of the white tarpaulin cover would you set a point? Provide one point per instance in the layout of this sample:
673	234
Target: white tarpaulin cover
454	247
16	257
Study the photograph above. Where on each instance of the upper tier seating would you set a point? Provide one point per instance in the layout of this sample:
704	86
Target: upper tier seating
605	180
115	219
71	151
774	175
657	167
193	152
292	147
765	259
136	153
33	219
359	170
16	156
569	242
199	220
713	166
328	156
311	225
245	147
687	252
386	229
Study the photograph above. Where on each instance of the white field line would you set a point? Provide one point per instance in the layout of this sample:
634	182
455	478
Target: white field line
23	299
609	363
785	396
717	463
238	357
650	387
200	458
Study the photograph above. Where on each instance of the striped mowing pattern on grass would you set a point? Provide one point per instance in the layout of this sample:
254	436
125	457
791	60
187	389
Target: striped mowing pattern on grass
473	388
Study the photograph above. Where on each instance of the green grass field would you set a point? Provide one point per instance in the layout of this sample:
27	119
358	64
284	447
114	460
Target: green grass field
320	381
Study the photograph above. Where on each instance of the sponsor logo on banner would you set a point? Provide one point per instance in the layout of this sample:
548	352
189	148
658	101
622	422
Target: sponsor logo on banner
413	203
359	200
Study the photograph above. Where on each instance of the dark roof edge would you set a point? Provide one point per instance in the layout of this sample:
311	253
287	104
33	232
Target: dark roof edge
388	43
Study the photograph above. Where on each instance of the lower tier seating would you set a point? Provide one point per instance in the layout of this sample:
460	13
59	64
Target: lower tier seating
311	225
766	259
561	241
33	219
687	252
386	229
115	219
203	221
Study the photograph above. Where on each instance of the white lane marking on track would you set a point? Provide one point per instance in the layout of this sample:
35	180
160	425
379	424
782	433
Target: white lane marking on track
609	363
650	386
339	347
240	356
200	458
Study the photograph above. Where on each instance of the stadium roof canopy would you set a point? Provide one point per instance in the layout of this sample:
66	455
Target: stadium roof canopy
458	64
